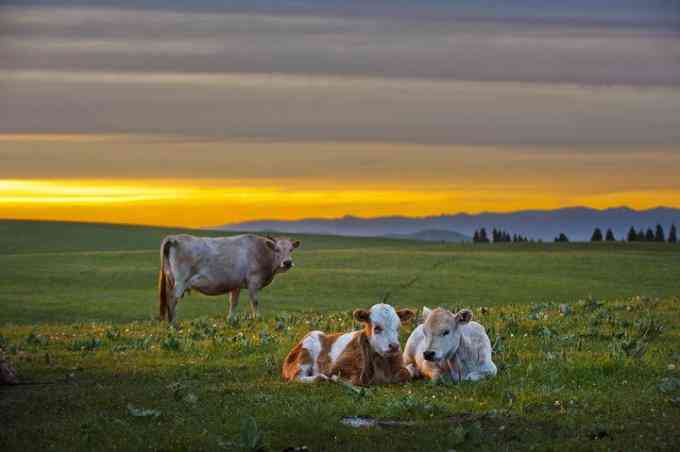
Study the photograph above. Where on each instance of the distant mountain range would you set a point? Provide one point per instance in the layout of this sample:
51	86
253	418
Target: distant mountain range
577	222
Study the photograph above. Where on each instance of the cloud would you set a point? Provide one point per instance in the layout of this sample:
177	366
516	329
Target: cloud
305	166
288	107
491	49
312	74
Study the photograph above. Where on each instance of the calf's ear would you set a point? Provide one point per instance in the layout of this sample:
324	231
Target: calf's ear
426	312
405	314
362	315
463	316
296	244
271	245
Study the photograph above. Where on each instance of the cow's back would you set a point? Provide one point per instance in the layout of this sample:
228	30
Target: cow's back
475	344
225	261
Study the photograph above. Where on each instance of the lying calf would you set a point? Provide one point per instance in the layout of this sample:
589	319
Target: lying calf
366	357
448	343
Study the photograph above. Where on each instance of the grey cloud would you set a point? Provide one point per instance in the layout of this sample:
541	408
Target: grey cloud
492	50
320	108
333	78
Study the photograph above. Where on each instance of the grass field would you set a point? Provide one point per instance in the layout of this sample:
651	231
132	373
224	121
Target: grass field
66	272
76	320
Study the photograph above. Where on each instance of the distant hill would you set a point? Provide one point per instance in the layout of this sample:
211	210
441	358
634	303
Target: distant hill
577	222
433	235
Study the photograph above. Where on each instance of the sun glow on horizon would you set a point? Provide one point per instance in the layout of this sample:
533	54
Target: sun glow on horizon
201	203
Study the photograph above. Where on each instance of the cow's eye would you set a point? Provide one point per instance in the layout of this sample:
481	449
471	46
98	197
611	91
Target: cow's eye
445	332
377	330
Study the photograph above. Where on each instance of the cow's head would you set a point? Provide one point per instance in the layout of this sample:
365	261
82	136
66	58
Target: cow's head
283	249
381	325
442	332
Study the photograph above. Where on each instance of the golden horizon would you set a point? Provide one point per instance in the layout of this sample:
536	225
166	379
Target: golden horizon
200	203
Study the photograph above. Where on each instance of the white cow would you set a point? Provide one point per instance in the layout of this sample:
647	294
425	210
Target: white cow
220	265
448	343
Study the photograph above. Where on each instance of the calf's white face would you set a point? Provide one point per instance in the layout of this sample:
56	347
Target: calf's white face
382	325
283	250
442	332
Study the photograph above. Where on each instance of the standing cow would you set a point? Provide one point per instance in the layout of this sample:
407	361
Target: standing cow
220	265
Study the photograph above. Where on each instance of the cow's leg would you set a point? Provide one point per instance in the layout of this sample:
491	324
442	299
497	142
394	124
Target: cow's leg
413	370
233	302
312	379
430	371
487	369
173	299
253	288
172	305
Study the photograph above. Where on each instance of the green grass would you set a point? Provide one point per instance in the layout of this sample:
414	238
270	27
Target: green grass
76	307
68	272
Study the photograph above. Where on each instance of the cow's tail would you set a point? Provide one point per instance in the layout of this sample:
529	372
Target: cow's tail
165	279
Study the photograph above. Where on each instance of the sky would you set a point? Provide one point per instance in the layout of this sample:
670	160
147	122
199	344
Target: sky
204	113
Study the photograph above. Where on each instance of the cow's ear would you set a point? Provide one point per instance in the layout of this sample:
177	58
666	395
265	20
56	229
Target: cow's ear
362	315
271	245
426	312
405	314
464	316
296	244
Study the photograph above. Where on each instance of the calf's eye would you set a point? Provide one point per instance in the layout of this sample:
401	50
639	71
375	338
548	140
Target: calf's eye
445	332
377	330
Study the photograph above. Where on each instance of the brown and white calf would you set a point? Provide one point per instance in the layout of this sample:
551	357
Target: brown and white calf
448	343
366	357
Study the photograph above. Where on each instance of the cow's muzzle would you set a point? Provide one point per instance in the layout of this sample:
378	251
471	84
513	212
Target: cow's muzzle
429	355
287	264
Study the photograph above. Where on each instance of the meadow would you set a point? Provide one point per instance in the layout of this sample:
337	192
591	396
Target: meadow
78	306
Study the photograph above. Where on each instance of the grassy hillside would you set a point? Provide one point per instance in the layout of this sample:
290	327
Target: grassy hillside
64	272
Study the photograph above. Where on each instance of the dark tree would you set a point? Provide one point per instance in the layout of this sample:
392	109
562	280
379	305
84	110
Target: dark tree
610	236
641	235
649	235
475	238
673	235
483	238
562	238
632	235
659	235
597	235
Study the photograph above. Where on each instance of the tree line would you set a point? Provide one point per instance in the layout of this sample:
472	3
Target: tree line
498	236
642	235
650	235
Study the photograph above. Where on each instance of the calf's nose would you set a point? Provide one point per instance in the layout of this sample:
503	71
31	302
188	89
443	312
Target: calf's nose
428	355
288	264
394	348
